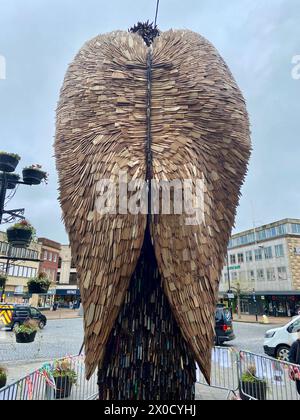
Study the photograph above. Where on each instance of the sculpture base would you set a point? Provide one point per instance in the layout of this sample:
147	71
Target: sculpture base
147	358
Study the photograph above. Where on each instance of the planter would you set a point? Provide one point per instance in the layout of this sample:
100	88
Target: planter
33	176
3	380
23	338
8	163
256	390
19	238
63	387
12	180
37	289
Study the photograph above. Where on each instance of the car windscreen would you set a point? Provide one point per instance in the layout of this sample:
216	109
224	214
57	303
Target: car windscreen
223	315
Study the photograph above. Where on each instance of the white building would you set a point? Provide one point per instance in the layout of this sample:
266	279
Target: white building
265	264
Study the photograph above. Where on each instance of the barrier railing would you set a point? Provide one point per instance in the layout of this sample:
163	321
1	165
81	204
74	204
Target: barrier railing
244	374
225	370
40	386
271	378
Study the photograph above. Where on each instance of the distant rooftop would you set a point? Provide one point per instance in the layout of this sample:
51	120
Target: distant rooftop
263	233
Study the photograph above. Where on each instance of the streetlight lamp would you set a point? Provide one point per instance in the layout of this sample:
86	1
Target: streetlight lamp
32	175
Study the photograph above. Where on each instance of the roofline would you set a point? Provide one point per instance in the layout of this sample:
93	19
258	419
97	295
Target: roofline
268	225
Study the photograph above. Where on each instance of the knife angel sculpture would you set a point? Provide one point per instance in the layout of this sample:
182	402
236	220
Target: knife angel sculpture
130	115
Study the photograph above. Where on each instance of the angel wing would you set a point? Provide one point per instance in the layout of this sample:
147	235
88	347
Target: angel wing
200	134
100	132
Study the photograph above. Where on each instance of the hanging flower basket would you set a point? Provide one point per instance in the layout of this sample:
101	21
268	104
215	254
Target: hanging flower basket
39	285
64	377
12	180
3	377
34	175
8	161
20	235
26	333
25	338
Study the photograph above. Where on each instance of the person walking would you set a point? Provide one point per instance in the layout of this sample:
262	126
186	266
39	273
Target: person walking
294	357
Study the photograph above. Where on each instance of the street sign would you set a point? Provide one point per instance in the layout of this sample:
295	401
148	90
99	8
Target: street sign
230	296
235	267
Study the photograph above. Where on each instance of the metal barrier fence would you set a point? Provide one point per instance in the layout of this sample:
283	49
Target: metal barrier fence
225	370
272	378
37	386
249	375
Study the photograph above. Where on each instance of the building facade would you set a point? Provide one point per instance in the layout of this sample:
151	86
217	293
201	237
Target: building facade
67	290
19	271
50	252
264	265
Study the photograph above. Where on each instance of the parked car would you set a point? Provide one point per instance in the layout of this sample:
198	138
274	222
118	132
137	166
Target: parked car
278	341
223	326
21	313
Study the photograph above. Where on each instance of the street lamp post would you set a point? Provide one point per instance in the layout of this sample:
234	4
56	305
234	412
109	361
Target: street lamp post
16	213
256	306
229	285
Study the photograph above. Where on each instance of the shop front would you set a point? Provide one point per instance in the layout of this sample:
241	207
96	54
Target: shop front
67	298
283	305
275	304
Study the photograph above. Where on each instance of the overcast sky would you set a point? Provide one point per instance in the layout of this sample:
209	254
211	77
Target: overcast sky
257	38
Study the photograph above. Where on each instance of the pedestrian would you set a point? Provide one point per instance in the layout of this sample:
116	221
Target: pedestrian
294	357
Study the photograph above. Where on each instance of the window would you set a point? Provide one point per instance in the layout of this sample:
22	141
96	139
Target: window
282	273
251	276
268	253
232	259
279	251
49	256
295	228
55	258
295	327
34	312
261	275
240	258
234	276
271	274
45	255
249	256
258	254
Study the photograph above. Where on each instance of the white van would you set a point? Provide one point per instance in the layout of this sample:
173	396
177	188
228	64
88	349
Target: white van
278	341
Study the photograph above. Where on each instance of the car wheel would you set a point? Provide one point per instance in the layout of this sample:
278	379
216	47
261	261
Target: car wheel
282	353
41	325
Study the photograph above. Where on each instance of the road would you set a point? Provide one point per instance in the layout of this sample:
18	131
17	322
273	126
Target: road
58	339
64	337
